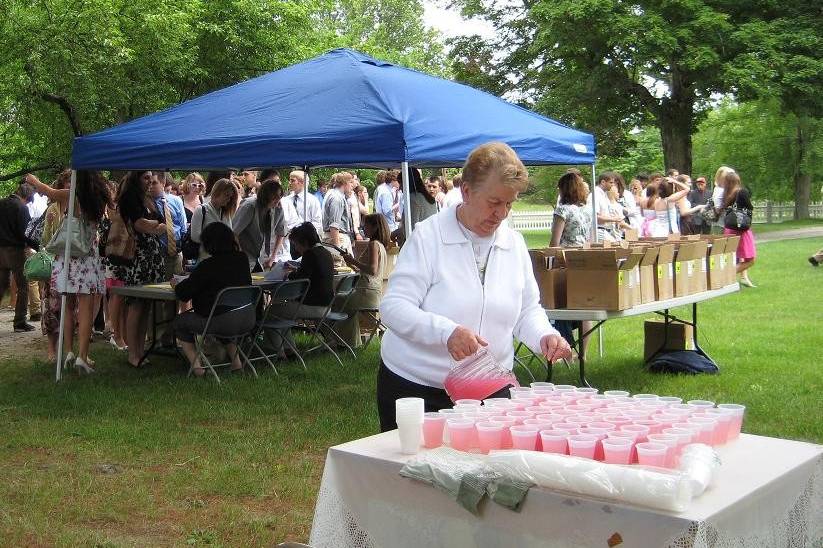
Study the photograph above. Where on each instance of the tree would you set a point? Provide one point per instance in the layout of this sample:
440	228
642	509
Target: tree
610	66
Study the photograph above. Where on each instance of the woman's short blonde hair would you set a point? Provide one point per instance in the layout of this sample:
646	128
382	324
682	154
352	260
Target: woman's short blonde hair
720	175
185	186
495	161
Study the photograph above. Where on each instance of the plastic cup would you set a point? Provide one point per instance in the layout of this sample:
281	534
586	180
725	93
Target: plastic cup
494	402
570	428
551	404
433	425
609	427
617	450
707	426
519	416
693	428
724	420
651	454
587	390
554	441
506	422
684	437
681	409
542	386
655	427
654	405
670	400
535	410
639	430
564	388
522	390
489	436
549	417
524	436
411	434
476	403
617	421
645	396
737	412
601	434
408	415
582	445
461	433
670	441
539	424
615	393
703	404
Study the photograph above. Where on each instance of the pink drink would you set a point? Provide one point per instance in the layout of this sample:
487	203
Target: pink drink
519	416
707	426
601	435
571	428
524	437
736	411
670	442
535	410
433	424
617	421
683	438
615	393
554	441
582	445
724	422
670	400
539	424
609	427
492	402
701	404
631	436
550	417
489	436
506	422
474	388
617	450
638	429
693	429
461	433
651	454
654	426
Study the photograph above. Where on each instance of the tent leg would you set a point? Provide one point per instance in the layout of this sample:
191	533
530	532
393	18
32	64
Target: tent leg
64	276
305	193
594	208
404	166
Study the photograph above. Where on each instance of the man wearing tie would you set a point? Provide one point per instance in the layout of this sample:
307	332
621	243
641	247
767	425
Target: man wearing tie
313	212
171	207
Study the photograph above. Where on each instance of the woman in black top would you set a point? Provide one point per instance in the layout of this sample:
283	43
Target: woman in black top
317	266
147	224
225	267
737	197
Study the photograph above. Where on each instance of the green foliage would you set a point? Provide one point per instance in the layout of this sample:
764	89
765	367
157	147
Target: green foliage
69	68
645	155
758	141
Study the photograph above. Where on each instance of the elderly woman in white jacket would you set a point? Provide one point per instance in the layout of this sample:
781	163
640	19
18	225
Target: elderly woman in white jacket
462	281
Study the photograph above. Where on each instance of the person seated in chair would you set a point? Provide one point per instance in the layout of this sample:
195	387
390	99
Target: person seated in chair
226	266
317	266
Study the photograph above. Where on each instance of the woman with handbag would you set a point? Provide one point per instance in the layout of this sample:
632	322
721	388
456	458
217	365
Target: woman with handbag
84	281
737	220
140	214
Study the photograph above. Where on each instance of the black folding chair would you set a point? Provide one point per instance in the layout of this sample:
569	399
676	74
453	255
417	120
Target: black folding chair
322	328
232	317
280	317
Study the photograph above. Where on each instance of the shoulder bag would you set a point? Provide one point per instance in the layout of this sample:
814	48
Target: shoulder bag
121	245
80	238
737	218
38	266
190	248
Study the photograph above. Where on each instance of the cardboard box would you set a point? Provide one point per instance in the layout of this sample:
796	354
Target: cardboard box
630	234
647	274
680	337
700	268
599	278
664	267
731	260
686	268
715	255
550	273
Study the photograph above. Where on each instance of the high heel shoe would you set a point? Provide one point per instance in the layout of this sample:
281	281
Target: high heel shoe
82	367
117	346
68	362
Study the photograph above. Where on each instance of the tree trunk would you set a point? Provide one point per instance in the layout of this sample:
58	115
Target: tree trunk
802	180
675	118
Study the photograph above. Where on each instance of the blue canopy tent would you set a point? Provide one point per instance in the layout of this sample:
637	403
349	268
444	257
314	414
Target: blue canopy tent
342	109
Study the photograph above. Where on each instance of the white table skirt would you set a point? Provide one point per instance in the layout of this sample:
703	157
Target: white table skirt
769	493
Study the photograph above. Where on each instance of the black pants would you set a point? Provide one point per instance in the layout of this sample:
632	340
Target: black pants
391	387
12	260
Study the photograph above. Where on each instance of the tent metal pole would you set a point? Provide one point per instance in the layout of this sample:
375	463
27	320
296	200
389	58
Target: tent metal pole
406	199
64	277
594	207
306	193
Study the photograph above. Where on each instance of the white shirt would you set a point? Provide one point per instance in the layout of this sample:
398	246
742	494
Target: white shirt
435	287
314	212
453	197
717	196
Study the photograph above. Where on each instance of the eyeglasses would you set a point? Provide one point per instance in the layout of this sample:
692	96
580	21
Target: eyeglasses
197	184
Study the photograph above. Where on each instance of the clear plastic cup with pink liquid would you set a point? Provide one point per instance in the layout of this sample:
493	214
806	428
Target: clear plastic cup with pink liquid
564	388
651	454
639	430
554	441
506	422
684	437
587	390
489	436
655	427
707	428
582	445
521	391
724	420
571	428
615	393
701	404
524	437
601	434
737	412
461	433
671	443
645	397
543	386
433	425
692	428
494	402
519	416
617	450
670	400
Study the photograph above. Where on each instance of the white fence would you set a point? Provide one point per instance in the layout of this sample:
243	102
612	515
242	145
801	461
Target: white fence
764	212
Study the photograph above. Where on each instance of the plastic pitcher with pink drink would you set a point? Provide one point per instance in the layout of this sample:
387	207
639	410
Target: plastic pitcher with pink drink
478	377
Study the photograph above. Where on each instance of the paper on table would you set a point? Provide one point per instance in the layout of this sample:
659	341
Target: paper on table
178	279
277	273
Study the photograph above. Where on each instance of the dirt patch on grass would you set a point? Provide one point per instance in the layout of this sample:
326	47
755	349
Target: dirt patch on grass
32	344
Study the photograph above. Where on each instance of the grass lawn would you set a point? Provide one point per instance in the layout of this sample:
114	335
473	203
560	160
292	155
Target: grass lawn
147	457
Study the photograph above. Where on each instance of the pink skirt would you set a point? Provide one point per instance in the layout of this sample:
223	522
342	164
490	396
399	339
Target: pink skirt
746	250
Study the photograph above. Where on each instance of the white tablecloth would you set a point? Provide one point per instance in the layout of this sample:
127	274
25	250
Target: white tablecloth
769	493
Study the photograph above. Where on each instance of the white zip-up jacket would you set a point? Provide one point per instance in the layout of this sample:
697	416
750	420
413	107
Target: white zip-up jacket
435	287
